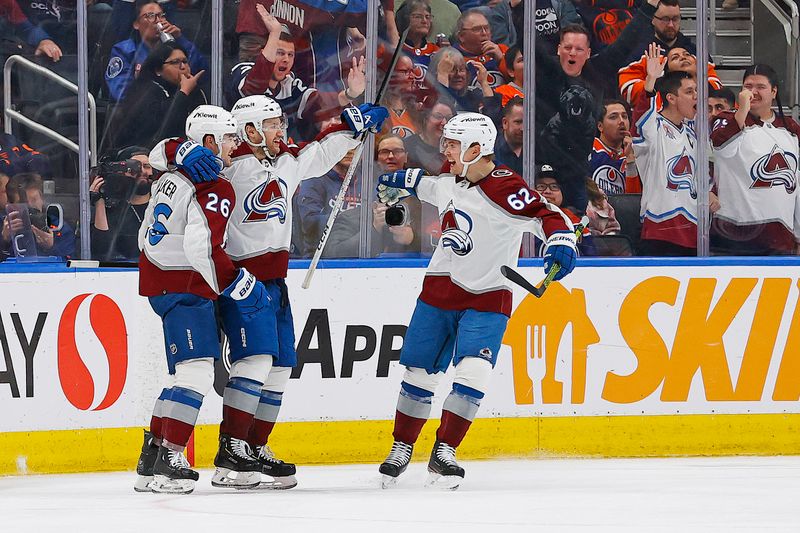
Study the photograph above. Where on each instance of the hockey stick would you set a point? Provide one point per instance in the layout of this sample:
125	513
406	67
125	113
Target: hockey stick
350	171
515	277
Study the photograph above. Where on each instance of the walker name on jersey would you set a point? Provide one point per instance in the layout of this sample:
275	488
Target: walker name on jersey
266	201
456	227
290	13
778	168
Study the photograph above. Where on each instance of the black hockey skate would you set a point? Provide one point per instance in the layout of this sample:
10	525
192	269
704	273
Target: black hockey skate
144	468
171	473
282	473
237	467
443	468
396	463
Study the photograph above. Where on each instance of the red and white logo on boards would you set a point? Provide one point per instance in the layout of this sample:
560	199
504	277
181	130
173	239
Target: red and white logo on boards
104	344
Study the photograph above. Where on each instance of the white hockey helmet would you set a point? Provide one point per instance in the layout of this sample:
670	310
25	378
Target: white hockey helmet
469	129
210	120
255	110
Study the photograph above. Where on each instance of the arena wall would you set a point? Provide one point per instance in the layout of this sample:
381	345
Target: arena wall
647	359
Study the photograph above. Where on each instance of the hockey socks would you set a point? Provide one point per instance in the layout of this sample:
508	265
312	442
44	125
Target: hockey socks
158	413
239	403
413	409
458	412
269	405
179	415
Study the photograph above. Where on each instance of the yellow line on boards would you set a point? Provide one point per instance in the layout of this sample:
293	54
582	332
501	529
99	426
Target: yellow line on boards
368	441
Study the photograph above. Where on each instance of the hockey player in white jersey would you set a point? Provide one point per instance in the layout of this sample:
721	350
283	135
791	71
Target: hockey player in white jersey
265	175
461	314
183	269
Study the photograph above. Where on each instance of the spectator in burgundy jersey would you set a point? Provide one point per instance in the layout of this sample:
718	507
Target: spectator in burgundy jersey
423	147
756	157
272	74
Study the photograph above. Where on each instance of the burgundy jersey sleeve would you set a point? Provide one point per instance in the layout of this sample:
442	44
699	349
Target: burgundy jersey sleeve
257	79
512	196
725	128
205	231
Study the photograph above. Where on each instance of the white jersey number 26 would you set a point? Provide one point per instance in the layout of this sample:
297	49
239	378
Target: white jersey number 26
224	205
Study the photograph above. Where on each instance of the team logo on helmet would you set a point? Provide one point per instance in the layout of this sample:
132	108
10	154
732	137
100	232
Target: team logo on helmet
266	201
680	173
776	168
456	227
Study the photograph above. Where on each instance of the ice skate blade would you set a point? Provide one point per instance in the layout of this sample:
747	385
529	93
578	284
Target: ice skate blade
226	478
388	482
165	485
143	484
278	483
438	481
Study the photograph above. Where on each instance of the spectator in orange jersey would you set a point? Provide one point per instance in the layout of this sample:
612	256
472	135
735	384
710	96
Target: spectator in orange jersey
474	41
632	77
401	98
516	75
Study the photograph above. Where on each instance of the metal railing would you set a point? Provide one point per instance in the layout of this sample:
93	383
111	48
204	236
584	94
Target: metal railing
12	114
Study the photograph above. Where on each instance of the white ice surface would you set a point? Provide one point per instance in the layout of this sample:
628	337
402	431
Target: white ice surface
641	495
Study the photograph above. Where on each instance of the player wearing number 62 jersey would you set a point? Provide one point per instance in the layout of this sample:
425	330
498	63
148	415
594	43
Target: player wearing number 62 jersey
461	314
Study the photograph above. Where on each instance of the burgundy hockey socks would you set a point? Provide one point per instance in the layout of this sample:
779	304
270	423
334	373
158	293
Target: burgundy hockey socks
269	405
413	409
179	416
239	404
458	412
158	413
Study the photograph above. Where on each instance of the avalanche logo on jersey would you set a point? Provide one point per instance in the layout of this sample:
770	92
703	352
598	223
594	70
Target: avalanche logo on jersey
776	168
453	236
266	201
680	173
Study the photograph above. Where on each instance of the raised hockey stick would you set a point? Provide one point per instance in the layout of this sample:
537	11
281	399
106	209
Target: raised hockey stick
515	277
350	171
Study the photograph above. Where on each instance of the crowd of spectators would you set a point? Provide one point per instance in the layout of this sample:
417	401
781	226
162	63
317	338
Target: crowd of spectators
604	69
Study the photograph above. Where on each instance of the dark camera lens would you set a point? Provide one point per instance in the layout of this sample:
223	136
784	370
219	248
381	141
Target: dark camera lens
396	215
38	218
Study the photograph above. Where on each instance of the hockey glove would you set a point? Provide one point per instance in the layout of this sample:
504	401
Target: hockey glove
560	250
198	161
247	292
395	186
366	117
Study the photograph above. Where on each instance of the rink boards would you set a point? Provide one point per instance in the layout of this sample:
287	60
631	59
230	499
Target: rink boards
657	359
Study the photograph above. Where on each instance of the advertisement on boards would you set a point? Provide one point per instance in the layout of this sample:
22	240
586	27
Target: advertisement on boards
83	350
